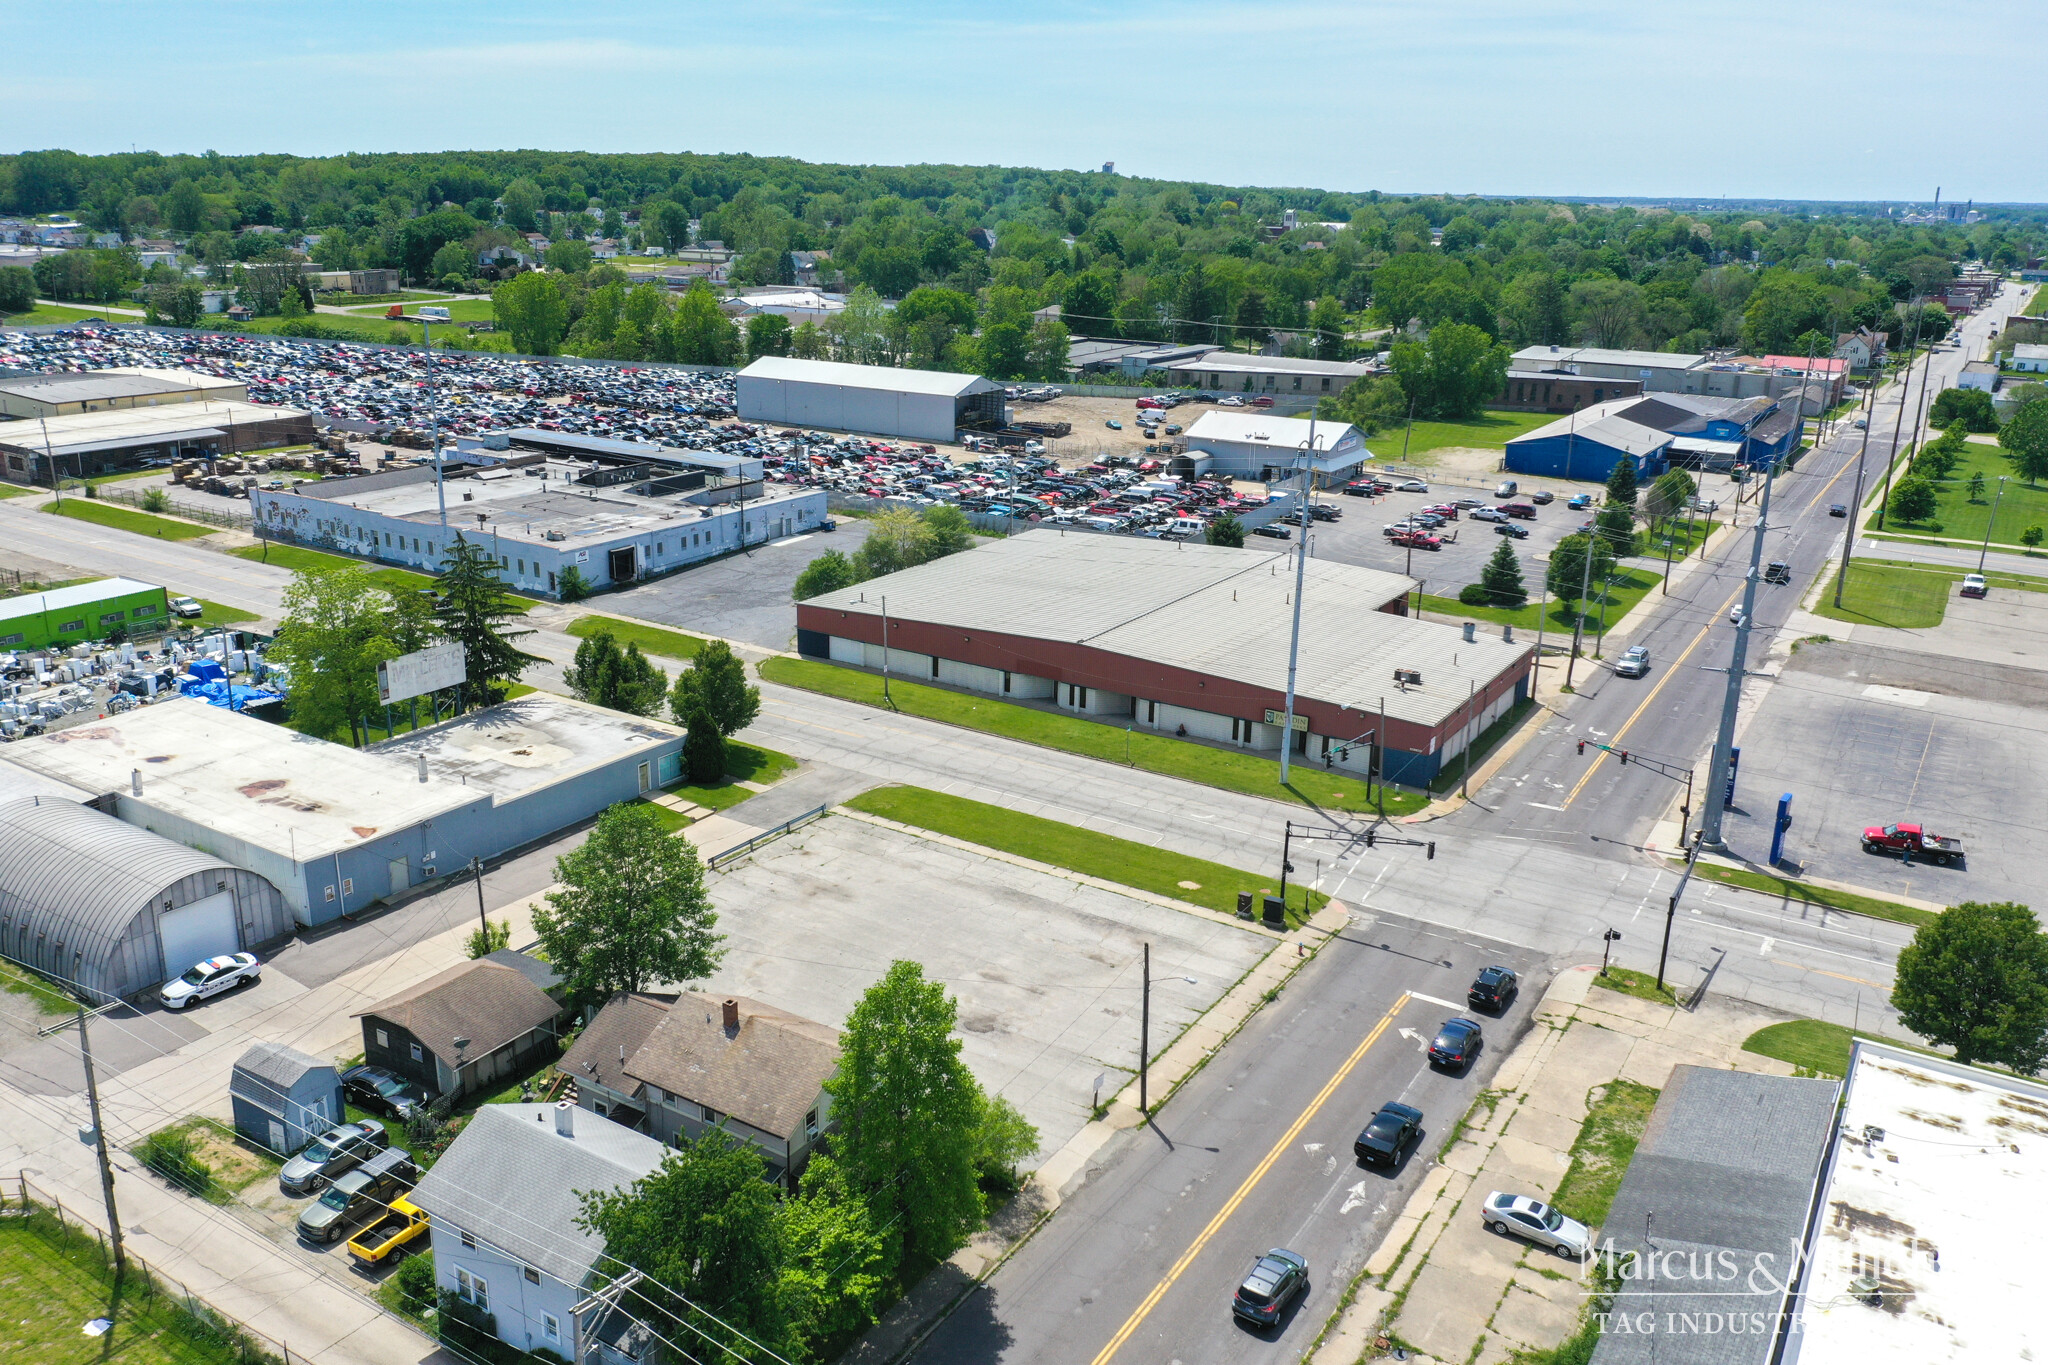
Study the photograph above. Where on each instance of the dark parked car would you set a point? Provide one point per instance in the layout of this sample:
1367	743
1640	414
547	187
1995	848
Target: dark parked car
1508	528
1777	571
372	1087
1271	530
1493	989
1390	1134
1456	1044
1542	497
357	1197
1836	509
333	1153
1275	1280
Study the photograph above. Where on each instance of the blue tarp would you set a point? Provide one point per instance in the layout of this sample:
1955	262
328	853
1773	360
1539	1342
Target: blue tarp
234	696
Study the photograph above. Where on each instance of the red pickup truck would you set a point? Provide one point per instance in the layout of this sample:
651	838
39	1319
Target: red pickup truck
1912	840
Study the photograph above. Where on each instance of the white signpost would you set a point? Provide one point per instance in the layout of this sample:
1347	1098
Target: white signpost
421	672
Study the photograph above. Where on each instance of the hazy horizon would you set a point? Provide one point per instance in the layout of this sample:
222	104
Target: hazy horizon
1753	102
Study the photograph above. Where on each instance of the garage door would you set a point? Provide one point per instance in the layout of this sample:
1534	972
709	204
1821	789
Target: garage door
192	933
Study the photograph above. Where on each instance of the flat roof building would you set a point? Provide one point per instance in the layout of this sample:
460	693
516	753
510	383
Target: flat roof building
1673	372
1188	640
84	443
921	405
1924	1241
615	511
1275	374
336	829
1257	445
65	393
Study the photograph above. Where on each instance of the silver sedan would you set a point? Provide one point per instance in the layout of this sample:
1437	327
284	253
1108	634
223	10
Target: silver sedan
1536	1222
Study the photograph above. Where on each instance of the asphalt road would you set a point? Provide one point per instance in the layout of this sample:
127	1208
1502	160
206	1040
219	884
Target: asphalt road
1671	714
1253	1153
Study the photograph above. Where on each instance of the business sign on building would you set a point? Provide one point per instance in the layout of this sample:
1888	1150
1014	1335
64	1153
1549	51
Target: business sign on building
421	672
1280	718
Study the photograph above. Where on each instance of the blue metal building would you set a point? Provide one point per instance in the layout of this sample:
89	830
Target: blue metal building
1588	444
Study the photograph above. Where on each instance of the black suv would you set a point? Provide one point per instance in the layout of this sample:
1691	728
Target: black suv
1392	1131
1493	989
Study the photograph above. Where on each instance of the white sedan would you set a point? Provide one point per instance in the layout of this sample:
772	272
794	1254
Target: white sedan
1536	1222
210	978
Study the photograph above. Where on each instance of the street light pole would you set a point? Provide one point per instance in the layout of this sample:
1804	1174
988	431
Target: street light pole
434	421
1724	739
1300	579
1856	503
1905	392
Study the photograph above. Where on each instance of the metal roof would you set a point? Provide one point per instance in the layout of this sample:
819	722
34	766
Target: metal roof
1604	425
511	1180
1556	357
70	873
266	1073
116	427
77	595
1257	428
1225	362
1726	1167
634	451
1205	608
886	378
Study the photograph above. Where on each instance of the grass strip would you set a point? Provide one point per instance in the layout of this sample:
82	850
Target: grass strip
1160	871
216	614
1615	1120
124	519
48	998
1640	985
1812	1045
57	1277
298	559
669	644
1624	590
1822	896
1164	754
743	763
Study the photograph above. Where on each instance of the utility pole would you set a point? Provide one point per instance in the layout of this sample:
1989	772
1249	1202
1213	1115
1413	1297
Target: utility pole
1905	393
1856	503
1985	549
1724	741
885	649
476	867
1542	614
1300	579
1579	617
99	1137
56	479
1671	910
1145	1035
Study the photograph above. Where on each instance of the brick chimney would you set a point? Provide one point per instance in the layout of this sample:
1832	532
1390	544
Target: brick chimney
731	1010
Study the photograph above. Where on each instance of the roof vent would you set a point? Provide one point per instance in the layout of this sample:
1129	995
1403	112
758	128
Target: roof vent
565	1118
1471	632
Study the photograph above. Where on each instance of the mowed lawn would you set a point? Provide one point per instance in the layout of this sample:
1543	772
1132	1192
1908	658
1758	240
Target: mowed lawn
1160	871
669	644
1895	592
1624	590
1962	518
1488	430
127	519
301	560
53	1285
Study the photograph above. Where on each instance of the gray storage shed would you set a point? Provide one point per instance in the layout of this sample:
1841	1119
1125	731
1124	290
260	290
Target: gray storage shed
875	400
283	1098
88	898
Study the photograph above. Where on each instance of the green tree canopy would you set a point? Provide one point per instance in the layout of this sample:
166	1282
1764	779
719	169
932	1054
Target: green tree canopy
1453	373
631	909
622	679
1502	577
1976	980
947	531
829	572
2025	439
476	611
1225	530
1971	406
909	1115
1569	574
336	629
530	306
1372	403
1670	494
1621	482
1913	499
702	334
717	683
570	257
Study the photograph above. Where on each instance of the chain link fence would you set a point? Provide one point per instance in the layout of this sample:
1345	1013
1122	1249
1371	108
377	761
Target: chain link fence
207	516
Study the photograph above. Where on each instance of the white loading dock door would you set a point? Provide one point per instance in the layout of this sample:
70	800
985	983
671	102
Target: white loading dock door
193	933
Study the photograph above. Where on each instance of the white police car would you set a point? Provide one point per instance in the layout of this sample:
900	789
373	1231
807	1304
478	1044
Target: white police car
209	978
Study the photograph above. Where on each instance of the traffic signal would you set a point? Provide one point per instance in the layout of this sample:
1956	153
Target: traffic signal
1582	746
1432	848
1369	836
1624	758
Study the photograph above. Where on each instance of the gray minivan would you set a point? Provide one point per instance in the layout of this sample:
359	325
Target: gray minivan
358	1196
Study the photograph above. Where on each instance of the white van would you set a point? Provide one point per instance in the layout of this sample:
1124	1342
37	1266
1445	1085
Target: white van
1186	526
431	313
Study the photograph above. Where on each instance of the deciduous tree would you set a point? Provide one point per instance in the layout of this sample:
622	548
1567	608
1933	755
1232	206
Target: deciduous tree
1976	980
1913	499
2025	439
631	909
622	679
530	306
718	683
335	631
1569	574
829	572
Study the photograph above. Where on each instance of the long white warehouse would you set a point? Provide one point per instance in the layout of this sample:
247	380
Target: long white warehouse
921	405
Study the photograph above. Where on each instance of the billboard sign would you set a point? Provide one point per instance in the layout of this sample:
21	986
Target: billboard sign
421	672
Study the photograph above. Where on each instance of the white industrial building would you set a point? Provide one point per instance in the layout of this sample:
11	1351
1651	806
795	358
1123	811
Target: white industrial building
920	405
1258	445
1275	374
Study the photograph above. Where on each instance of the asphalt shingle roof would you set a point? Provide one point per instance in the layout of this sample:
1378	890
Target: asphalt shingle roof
511	1180
266	1073
486	1002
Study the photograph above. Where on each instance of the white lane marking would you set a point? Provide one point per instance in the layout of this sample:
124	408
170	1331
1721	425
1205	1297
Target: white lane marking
788	540
1764	949
1354	1197
1542	806
1447	1004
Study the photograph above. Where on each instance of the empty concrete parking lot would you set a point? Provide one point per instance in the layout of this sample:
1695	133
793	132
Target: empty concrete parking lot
1046	971
743	597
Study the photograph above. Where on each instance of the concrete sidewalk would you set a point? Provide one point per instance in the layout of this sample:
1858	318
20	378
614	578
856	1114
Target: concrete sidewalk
1440	1281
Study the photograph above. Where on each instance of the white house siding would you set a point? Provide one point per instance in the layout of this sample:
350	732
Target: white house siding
515	1301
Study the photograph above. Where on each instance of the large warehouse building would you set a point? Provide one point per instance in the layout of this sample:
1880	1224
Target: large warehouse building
87	898
72	391
921	405
1187	640
99	442
336	829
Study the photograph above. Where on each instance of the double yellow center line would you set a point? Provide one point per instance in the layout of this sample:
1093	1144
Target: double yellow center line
1132	1323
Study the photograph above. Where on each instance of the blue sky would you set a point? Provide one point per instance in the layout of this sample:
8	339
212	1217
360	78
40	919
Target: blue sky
1820	99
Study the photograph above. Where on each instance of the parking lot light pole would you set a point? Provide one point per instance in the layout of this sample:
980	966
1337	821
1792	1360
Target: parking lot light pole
1300	578
434	419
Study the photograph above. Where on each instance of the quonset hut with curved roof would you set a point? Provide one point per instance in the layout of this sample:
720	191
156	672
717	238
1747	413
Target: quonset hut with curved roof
88	898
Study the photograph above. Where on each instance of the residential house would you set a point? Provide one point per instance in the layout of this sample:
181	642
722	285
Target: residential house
2030	356
473	1026
676	1065
1862	348
504	1199
282	1099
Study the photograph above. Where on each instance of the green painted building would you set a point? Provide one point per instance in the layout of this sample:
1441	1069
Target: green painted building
82	612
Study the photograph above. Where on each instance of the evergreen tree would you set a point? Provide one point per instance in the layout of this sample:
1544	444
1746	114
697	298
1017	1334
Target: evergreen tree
703	746
1226	530
475	609
622	679
1621	483
1617	528
1502	577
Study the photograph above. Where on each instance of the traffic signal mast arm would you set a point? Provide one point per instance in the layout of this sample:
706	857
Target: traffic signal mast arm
1655	765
